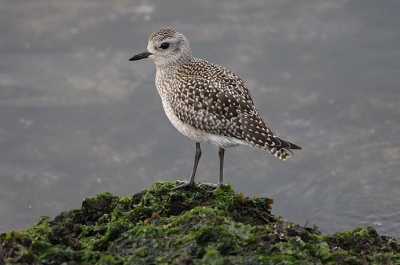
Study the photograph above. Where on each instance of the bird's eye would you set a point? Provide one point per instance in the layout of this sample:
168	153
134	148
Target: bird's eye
164	45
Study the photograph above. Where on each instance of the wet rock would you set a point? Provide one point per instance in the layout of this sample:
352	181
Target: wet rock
187	227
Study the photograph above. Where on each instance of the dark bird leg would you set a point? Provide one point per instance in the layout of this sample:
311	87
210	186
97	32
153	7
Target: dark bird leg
190	183
221	154
220	184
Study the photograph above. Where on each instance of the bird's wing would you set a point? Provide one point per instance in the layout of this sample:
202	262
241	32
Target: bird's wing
212	99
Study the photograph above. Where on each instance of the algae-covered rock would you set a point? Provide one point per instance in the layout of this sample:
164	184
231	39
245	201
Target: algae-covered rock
198	226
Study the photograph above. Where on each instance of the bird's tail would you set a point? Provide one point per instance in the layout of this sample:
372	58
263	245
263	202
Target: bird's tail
280	153
281	148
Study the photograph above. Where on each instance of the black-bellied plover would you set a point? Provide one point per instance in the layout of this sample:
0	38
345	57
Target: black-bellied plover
207	102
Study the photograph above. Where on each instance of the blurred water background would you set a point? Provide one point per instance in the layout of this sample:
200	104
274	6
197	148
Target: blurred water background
77	118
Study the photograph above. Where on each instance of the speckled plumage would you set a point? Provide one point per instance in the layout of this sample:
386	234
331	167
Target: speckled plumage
207	102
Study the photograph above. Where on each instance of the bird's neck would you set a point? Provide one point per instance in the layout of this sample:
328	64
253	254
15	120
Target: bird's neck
168	67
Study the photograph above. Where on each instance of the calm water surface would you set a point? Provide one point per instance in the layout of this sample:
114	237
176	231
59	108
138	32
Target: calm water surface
77	118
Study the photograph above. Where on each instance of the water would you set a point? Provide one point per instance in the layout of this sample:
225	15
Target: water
78	118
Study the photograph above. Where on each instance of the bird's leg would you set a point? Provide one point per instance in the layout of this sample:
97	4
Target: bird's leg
220	184
221	154
190	183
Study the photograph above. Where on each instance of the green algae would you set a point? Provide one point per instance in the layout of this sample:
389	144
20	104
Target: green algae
160	226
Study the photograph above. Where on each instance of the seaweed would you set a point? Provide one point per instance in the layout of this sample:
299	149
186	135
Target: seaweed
195	226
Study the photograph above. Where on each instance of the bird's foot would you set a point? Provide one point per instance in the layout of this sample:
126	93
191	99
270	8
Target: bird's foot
213	185
185	185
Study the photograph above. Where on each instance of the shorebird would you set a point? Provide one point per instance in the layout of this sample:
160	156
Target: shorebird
207	102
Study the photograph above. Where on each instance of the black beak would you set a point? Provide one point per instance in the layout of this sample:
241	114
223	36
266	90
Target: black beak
140	56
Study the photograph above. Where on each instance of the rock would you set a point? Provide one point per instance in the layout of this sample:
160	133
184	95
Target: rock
187	227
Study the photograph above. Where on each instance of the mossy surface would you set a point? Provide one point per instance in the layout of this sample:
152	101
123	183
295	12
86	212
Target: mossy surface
160	226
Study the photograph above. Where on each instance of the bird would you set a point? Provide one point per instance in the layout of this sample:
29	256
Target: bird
207	102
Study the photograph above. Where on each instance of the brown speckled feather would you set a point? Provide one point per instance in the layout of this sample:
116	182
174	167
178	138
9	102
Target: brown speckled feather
212	99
